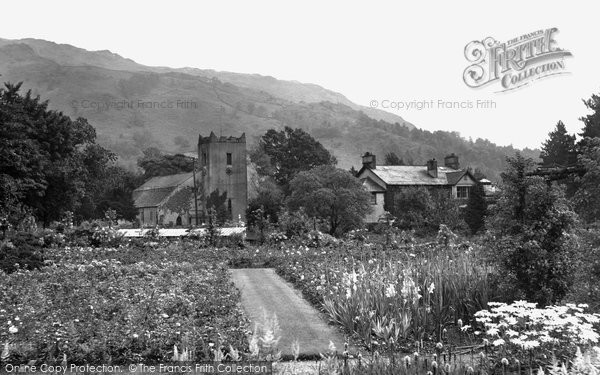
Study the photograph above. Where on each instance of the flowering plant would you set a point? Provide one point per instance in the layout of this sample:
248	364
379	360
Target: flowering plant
522	328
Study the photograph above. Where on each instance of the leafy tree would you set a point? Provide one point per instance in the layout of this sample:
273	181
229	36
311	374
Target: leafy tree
155	163
444	210
559	148
331	194
591	122
424	209
530	226
476	209
289	152
587	197
269	199
48	161
410	206
353	171
217	202
392	159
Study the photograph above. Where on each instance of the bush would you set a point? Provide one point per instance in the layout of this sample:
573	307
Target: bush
295	223
23	250
531	237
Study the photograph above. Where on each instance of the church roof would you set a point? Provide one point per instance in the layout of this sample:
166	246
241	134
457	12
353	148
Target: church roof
154	191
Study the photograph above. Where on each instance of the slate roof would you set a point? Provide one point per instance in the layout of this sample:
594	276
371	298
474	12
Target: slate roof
417	175
157	189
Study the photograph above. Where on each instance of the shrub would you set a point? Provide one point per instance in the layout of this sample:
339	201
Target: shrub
23	250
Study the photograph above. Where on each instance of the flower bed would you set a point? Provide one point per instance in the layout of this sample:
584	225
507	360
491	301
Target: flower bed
126	305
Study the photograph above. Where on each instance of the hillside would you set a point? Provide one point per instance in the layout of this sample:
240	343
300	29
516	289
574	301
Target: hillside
133	107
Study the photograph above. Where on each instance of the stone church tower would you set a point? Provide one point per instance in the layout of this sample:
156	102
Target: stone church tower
223	166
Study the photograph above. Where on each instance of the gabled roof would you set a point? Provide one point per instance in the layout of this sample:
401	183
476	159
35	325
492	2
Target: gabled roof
172	180
154	191
416	175
455	176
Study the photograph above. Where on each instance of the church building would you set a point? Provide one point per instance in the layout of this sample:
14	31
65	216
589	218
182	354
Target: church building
220	168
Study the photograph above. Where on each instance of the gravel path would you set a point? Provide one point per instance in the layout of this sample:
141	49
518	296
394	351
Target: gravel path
263	290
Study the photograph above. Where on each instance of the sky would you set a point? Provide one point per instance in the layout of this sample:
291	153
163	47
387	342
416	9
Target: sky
373	52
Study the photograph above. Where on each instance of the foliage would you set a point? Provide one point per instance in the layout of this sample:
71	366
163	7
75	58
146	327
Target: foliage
217	202
559	148
49	162
330	194
587	197
260	223
591	122
270	197
530	235
123	306
156	163
517	329
295	223
283	154
23	250
425	210
586	284
212	228
392	159
180	202
476	210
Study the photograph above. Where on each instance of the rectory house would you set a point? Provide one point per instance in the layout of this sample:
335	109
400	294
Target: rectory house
220	167
384	182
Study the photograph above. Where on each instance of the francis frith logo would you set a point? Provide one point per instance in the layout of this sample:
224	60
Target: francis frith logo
514	63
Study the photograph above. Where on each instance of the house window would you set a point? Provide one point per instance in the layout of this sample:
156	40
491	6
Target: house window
142	216
462	192
373	198
229	158
204	158
229	205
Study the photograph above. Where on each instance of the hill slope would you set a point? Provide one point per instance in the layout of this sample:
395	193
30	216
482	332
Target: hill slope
134	106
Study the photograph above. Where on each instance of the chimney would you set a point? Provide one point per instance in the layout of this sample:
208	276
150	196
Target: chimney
368	160
432	168
451	161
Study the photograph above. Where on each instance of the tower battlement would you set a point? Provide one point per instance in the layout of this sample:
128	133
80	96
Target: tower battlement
212	138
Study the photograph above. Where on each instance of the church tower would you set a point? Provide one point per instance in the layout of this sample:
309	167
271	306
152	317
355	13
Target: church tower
223	166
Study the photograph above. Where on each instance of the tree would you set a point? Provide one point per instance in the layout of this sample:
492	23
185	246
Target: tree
283	154
269	199
410	205
331	194
559	148
425	209
531	243
48	161
591	122
155	163
217	202
476	209
587	197
392	159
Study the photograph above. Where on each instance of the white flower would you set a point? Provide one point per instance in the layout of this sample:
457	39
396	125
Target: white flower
13	329
390	291
498	342
431	288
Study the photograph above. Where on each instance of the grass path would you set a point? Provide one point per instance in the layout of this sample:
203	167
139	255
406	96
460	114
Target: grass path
263	290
